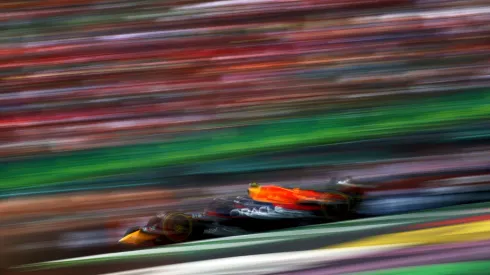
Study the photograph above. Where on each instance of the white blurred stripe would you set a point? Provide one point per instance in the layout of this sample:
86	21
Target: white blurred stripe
442	13
259	264
227	3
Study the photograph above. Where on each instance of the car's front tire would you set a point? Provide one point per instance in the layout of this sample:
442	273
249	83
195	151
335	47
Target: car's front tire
176	227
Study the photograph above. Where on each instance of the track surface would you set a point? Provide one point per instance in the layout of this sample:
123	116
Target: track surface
356	234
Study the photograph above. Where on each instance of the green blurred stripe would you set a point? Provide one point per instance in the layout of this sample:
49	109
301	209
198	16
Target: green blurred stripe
470	268
343	126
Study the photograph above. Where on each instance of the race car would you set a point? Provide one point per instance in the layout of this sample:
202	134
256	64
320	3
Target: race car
265	208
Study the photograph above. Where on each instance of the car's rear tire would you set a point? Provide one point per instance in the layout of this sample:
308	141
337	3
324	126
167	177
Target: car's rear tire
336	212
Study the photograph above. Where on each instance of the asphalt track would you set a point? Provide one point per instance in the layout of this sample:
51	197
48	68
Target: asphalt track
461	232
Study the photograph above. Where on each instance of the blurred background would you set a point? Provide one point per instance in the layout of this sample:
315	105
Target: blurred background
113	110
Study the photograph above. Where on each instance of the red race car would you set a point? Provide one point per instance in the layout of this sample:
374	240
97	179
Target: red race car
265	208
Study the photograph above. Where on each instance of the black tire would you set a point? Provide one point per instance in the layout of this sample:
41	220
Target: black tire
354	197
176	227
336	212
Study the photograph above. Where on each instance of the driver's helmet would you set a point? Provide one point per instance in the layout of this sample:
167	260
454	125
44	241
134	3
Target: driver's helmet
253	188
253	185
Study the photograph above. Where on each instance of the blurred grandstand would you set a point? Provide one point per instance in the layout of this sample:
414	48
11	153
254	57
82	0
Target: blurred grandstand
96	88
106	96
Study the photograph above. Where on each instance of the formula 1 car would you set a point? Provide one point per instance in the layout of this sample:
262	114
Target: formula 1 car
265	208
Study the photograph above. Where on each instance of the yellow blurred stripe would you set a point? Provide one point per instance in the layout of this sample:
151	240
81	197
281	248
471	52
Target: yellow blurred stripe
136	238
475	231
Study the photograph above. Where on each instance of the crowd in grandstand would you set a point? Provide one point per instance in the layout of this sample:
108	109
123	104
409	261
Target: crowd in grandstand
88	74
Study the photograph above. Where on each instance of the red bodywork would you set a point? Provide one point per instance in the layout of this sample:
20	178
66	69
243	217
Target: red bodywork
296	198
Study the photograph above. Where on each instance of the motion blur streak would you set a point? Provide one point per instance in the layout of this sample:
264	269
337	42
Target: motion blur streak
114	110
258	264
